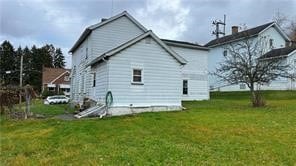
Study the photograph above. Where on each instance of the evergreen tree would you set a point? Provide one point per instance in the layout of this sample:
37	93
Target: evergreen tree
34	60
7	59
36	68
59	59
27	65
47	53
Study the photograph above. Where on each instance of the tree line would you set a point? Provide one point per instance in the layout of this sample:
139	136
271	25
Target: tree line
34	59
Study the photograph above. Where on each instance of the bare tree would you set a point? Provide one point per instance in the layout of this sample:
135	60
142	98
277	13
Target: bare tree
245	63
281	19
288	24
292	29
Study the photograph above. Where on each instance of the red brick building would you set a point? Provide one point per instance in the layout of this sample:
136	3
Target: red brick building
56	80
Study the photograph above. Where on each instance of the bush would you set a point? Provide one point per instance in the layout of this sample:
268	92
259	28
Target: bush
9	96
46	93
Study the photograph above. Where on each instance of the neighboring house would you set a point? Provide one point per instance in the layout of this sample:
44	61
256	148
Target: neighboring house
289	55
270	32
56	80
143	72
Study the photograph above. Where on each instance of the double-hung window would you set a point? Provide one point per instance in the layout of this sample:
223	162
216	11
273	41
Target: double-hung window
137	76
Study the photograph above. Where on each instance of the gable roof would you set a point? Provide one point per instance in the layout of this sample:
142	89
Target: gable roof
245	34
89	29
49	75
134	41
279	52
184	44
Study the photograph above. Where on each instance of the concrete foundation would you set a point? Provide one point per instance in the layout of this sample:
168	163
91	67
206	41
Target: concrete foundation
117	111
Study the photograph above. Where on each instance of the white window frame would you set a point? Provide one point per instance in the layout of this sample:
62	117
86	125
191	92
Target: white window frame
142	76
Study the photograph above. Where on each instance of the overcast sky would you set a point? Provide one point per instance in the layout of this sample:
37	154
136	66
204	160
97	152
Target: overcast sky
60	22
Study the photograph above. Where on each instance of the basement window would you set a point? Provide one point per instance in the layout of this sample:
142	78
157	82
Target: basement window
137	76
185	87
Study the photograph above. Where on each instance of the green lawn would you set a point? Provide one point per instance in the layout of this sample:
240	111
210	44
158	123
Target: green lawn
223	131
49	110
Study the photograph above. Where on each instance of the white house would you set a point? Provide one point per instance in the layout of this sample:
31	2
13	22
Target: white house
143	72
270	32
289	57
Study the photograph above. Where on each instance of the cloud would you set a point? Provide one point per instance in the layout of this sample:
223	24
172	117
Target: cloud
60	22
167	18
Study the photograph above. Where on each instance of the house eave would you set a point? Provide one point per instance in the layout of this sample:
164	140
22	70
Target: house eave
231	41
89	29
187	46
83	36
279	29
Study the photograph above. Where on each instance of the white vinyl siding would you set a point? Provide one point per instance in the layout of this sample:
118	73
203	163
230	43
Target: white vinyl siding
277	39
162	78
99	91
112	35
99	41
195	72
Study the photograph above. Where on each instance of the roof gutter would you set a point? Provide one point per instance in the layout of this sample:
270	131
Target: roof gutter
274	57
187	46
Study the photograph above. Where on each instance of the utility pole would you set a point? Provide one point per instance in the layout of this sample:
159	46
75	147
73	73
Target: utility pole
217	31
21	85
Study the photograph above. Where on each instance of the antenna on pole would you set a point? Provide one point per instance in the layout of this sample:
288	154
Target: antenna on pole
112	3
218	23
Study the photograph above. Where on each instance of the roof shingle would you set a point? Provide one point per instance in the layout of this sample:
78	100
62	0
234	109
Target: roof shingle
279	52
49	74
247	33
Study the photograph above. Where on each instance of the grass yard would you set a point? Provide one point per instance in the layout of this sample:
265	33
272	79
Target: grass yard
49	110
222	131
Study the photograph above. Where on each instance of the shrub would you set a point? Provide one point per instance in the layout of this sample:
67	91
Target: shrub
46	93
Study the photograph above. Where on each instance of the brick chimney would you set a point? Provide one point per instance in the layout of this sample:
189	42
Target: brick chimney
234	29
